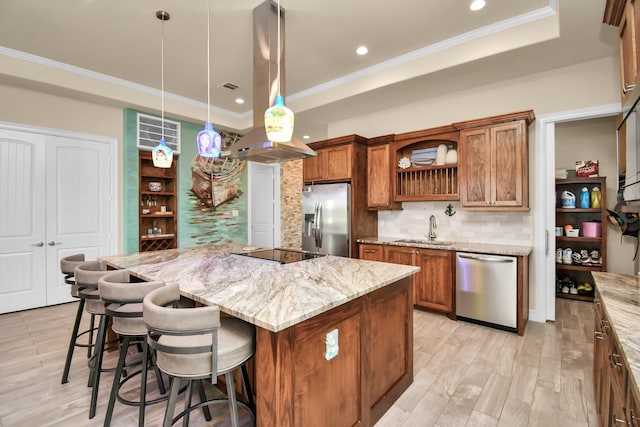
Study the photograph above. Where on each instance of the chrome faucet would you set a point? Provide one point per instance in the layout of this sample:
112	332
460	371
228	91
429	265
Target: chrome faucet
432	227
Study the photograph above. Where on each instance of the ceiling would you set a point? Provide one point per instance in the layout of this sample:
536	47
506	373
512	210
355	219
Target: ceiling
417	49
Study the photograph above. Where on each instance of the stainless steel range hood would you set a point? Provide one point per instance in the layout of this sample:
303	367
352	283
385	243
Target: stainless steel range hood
255	146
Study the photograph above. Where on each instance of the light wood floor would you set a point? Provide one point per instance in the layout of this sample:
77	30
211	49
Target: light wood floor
464	374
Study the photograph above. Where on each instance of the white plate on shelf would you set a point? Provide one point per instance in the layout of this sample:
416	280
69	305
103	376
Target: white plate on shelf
423	162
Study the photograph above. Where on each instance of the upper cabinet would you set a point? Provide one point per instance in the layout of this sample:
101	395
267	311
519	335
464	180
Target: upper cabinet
625	14
426	165
380	159
333	163
493	162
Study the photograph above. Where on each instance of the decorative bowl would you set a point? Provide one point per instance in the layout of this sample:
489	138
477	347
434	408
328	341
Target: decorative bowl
155	186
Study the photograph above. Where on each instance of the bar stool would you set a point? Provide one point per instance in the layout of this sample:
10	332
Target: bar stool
123	302
195	344
87	276
67	266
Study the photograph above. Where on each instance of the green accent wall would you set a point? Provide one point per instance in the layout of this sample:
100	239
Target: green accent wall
199	224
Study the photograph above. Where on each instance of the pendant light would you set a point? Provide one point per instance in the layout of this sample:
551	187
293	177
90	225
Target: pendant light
162	155
278	119
209	141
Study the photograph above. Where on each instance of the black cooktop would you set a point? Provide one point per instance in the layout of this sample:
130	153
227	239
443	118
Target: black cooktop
283	256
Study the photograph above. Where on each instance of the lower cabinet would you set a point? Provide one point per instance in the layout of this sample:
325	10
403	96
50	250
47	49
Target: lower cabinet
433	287
615	395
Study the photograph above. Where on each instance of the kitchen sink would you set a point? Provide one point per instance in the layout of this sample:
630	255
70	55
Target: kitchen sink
424	242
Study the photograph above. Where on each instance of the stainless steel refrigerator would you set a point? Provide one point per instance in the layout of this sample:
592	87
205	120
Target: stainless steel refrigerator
326	220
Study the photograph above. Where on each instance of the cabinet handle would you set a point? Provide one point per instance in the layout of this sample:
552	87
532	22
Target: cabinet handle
370	251
599	335
604	324
615	420
628	88
613	361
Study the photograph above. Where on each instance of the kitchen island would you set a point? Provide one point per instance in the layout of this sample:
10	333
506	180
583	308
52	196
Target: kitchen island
294	306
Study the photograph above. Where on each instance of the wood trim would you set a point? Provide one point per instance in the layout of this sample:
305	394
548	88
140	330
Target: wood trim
341	140
527	115
523	294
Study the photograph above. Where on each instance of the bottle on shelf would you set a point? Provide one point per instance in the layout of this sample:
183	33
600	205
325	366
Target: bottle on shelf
596	198
585	199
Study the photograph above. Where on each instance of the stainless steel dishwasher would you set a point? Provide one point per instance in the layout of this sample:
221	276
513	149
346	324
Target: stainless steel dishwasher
487	289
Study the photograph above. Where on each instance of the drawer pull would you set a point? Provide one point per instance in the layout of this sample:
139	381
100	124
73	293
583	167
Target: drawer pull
613	358
628	88
370	251
599	335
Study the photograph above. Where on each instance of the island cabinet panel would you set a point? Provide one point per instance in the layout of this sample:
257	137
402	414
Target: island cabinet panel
297	386
389	341
329	381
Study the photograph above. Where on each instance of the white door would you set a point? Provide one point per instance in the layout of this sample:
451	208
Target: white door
22	229
55	200
264	204
78	206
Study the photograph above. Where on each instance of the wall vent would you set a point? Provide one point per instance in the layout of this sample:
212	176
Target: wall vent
230	86
149	132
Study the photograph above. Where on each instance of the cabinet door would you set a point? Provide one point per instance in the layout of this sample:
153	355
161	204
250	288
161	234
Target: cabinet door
311	167
475	167
378	182
371	252
436	288
627	50
507	165
338	162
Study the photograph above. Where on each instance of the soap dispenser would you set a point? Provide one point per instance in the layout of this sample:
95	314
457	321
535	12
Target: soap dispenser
585	198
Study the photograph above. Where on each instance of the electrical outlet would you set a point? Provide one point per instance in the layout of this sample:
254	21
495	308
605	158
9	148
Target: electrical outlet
331	342
234	212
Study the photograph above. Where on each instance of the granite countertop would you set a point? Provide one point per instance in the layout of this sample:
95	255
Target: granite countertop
621	299
485	248
269	295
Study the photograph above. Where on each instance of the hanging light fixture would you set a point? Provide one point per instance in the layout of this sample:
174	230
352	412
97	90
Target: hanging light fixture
162	155
278	119
209	141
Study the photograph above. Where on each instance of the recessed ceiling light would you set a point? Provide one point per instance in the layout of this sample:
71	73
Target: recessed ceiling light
306	137
362	50
477	4
239	101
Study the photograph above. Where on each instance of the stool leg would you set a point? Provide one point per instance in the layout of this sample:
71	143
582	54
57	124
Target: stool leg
92	327
72	342
171	404
143	381
187	404
97	365
247	388
159	379
116	381
203	398
231	395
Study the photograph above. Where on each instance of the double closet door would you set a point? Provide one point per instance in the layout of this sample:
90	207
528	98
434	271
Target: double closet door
55	200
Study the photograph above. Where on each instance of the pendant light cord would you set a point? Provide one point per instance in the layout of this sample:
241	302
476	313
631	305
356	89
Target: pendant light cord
162	78
278	47
208	63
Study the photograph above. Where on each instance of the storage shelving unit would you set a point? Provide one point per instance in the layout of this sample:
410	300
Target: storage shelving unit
163	222
576	216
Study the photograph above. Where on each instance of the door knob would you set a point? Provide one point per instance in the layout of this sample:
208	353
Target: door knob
52	243
39	244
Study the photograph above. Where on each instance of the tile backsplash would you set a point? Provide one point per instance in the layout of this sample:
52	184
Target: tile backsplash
508	228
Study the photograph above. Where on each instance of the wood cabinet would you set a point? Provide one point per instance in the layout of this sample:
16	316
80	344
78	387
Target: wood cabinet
332	163
371	252
433	286
574	271
419	181
493	162
625	14
380	159
157	216
614	389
